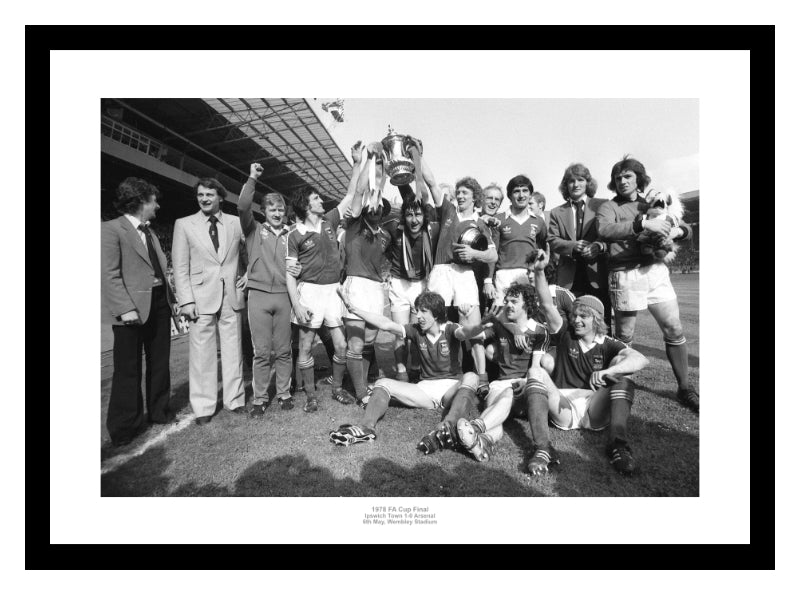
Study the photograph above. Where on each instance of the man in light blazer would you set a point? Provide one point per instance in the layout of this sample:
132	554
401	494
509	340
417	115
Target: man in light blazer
205	260
572	233
137	303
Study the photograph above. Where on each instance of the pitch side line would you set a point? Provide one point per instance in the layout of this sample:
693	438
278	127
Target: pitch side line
119	460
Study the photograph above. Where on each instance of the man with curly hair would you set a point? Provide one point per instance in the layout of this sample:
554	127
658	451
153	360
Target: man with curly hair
137	303
452	276
638	281
519	343
312	243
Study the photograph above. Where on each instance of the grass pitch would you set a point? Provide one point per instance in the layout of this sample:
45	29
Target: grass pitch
287	453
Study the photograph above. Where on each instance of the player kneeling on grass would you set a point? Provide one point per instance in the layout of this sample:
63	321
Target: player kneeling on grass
588	388
439	347
519	343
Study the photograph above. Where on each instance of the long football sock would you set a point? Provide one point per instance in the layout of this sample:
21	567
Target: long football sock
621	403
538	412
678	356
305	372
368	360
465	399
377	406
356	371
339	366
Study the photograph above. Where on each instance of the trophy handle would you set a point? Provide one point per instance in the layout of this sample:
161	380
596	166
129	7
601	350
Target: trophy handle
407	144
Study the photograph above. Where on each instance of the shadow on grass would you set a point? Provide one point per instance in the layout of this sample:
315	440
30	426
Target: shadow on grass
668	460
295	475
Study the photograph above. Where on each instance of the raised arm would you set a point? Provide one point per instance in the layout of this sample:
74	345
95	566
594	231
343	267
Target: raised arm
427	175
347	201
377	320
552	317
245	204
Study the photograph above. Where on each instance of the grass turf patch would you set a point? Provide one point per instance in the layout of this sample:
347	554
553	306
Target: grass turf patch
288	453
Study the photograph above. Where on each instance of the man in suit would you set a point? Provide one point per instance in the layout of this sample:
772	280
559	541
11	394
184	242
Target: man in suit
137	303
582	266
205	259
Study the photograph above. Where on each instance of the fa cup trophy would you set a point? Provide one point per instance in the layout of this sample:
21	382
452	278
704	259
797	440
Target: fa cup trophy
397	160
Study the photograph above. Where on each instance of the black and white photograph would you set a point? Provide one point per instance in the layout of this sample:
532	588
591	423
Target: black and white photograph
400	297
334	305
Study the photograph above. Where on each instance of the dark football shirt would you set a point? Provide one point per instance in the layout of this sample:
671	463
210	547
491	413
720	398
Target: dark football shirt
317	252
573	367
438	359
451	228
364	250
514	362
395	229
515	241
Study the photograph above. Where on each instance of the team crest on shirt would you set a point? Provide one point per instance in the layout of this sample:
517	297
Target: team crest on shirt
533	230
329	231
444	347
597	361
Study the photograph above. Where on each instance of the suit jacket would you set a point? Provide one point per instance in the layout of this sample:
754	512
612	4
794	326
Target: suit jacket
562	239
127	273
201	274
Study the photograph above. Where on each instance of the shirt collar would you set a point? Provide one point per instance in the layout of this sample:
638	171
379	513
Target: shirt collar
598	340
135	221
474	217
270	229
218	215
304	229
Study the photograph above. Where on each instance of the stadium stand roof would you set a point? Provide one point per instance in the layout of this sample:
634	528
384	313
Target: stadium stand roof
286	136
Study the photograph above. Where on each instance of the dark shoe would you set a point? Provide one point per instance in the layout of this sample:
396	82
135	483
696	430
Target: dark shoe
258	410
542	460
443	436
122	441
689	398
203	420
311	405
619	453
239	410
349	434
168	418
287	403
344	397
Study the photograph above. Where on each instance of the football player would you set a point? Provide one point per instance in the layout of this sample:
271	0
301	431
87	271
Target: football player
439	345
312	243
588	388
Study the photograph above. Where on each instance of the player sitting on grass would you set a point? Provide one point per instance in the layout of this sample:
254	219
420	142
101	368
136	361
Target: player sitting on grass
519	342
588	388
439	347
